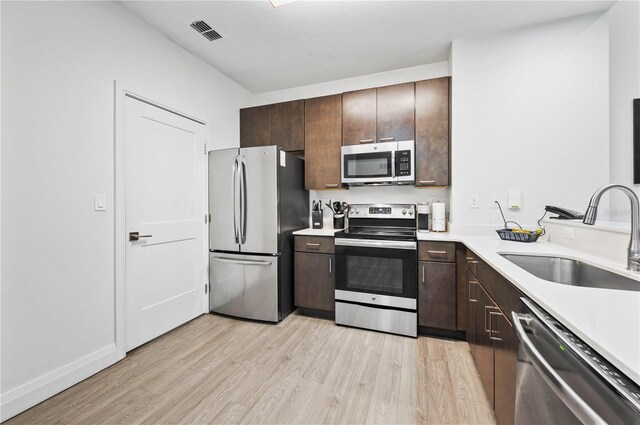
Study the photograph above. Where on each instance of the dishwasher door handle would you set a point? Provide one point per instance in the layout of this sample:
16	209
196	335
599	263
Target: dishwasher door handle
572	400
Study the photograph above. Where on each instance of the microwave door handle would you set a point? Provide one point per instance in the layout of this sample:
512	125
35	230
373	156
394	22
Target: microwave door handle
393	163
572	400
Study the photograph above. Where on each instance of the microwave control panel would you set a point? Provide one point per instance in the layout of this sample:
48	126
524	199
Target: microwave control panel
403	163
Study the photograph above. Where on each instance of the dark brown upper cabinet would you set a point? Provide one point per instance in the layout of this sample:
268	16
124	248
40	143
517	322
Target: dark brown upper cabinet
322	141
432	132
255	126
359	117
395	112
287	125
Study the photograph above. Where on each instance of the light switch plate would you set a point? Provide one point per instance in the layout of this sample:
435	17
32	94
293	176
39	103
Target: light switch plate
100	202
569	233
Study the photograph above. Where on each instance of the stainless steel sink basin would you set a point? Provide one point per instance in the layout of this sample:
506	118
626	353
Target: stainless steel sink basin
571	272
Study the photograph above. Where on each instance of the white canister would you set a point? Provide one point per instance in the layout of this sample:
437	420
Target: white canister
438	217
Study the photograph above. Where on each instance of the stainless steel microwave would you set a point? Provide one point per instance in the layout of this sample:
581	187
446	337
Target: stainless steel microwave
378	163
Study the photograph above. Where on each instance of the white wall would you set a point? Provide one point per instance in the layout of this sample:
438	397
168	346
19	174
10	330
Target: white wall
59	63
366	194
624	85
530	113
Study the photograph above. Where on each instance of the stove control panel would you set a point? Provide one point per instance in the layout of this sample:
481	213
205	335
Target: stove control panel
379	210
405	211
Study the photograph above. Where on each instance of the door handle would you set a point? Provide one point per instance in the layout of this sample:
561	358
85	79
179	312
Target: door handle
473	300
134	236
386	139
366	140
243	262
422	274
330	265
427	182
494	331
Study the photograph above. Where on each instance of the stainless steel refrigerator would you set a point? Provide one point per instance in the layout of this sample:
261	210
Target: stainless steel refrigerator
256	200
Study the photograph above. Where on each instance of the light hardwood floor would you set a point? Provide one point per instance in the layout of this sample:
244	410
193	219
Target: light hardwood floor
301	371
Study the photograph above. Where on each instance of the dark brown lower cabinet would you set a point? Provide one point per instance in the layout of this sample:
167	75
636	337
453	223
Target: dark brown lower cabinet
484	344
314	281
472	305
492	340
437	295
506	360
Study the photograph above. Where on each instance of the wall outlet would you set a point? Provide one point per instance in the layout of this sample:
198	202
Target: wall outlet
474	201
569	233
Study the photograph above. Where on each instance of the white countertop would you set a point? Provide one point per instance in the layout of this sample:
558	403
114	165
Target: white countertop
607	320
316	232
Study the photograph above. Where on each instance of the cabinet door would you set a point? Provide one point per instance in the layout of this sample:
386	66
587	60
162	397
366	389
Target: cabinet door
432	132
437	295
314	281
506	361
359	117
472	306
255	126
462	288
287	125
322	141
395	115
484	344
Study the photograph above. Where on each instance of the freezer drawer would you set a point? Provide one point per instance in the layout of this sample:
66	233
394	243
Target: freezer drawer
244	286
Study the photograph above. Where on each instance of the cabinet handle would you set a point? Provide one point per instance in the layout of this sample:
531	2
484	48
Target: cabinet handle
471	260
313	244
332	185
422	274
472	299
330	265
386	139
366	140
427	182
437	252
492	331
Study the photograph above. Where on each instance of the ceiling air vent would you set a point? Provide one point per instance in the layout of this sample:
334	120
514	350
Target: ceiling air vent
207	32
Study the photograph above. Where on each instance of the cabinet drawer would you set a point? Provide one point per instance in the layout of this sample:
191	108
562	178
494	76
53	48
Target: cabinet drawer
322	244
437	251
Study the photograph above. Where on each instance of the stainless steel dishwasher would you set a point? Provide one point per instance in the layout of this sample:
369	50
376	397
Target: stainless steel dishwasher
560	380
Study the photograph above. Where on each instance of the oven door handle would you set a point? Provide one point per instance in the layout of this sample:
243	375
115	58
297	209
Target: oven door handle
369	243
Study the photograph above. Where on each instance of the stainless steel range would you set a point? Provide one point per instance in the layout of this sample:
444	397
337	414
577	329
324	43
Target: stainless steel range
376	269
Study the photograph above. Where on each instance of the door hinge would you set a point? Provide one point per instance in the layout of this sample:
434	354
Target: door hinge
206	288
205	148
206	218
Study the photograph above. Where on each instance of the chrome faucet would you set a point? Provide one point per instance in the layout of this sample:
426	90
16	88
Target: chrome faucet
633	251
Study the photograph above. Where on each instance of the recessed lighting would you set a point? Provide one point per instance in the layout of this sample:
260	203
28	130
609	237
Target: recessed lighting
278	3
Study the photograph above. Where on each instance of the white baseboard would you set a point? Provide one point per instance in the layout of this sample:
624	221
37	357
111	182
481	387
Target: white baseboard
33	392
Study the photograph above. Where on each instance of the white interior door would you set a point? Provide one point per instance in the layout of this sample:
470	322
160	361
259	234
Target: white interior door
164	203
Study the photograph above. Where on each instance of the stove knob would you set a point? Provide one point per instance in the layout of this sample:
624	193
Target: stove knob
404	212
357	211
410	212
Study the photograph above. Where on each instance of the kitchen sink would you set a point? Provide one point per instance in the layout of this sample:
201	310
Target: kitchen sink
571	272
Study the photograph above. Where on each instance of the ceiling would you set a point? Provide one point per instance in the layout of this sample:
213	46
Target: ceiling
265	48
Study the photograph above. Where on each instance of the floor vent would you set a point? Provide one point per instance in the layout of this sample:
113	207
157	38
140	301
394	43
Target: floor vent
205	30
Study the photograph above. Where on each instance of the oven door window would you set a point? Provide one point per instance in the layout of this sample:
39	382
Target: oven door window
377	271
368	165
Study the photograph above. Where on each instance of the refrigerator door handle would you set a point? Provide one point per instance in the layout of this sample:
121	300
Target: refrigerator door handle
243	262
243	201
234	188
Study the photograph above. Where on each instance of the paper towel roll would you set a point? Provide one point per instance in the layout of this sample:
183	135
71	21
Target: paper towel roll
438	217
